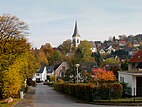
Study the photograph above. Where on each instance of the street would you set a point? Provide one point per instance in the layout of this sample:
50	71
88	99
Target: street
45	96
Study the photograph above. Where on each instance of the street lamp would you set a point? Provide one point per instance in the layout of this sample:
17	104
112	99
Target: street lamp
77	65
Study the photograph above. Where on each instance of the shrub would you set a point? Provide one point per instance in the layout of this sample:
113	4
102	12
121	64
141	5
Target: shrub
126	90
89	92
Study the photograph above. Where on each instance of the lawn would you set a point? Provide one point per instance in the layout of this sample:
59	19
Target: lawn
3	104
124	101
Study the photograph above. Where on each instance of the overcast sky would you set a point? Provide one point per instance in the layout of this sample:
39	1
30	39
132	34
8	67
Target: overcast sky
52	21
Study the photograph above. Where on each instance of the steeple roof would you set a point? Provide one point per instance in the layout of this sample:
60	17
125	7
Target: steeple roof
76	33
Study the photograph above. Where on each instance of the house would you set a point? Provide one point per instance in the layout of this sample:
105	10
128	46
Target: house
60	69
134	74
136	43
122	43
102	51
109	49
132	51
41	74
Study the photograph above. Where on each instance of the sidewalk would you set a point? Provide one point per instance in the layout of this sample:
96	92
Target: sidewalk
27	101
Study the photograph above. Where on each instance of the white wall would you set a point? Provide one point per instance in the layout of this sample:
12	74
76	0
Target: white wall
43	77
130	79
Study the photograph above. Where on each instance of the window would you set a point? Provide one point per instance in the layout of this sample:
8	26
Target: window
37	74
37	79
122	79
74	41
63	68
77	40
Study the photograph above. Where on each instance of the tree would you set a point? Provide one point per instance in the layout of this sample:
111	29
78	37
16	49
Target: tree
12	39
70	75
11	81
42	57
110	61
101	74
112	64
65	47
124	65
97	57
84	49
57	56
12	27
17	62
114	38
49	53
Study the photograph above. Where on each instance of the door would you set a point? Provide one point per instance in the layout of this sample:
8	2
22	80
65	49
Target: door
139	86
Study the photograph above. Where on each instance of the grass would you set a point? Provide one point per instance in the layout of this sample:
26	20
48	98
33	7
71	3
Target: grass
4	104
123	101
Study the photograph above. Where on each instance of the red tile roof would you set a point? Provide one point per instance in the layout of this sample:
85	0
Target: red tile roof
136	57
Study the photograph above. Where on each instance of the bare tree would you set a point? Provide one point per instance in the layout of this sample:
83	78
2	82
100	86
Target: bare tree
12	27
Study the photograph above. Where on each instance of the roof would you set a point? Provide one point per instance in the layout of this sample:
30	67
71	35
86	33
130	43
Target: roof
50	69
40	70
56	66
76	33
136	57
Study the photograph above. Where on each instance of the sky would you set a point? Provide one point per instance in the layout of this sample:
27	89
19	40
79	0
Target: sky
52	21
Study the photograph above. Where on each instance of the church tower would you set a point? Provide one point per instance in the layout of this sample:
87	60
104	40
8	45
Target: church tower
75	36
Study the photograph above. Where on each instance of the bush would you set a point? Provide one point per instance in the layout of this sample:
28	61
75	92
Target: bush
30	82
89	92
126	90
11	83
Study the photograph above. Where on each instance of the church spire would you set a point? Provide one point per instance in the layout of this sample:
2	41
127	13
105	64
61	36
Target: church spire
75	36
76	33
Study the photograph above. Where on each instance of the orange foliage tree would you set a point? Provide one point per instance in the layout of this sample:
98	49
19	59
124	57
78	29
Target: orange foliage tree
101	74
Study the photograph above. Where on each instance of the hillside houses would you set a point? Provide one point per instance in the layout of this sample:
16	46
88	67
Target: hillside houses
130	44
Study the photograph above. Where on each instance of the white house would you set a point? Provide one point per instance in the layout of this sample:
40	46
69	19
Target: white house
41	74
134	74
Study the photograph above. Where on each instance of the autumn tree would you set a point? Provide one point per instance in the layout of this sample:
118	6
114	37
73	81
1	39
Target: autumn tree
41	57
17	63
101	74
49	53
12	39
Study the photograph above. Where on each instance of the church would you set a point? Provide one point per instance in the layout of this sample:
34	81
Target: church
75	37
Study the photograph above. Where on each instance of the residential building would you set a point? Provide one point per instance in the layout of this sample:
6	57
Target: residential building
41	74
134	74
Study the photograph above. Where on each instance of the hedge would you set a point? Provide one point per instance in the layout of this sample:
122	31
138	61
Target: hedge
91	92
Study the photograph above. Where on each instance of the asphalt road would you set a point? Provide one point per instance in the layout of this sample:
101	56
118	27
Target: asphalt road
45	96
